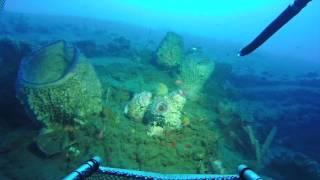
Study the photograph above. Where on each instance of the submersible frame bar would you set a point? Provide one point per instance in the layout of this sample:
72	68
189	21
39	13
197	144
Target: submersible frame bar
274	26
93	166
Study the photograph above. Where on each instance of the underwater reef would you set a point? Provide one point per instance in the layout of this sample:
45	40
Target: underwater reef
145	100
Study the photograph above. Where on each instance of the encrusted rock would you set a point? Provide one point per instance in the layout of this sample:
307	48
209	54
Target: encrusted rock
137	107
166	111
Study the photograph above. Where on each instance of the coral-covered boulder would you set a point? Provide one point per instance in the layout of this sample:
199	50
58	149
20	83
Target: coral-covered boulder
165	111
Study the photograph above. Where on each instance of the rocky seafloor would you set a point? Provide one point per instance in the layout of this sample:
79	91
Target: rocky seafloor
242	115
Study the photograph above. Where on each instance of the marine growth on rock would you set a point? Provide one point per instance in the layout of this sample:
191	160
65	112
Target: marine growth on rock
170	52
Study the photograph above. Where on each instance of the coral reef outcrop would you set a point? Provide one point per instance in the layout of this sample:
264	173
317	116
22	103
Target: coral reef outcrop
137	107
162	112
166	111
170	51
57	84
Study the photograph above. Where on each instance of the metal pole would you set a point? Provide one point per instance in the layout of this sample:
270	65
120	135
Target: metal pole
274	26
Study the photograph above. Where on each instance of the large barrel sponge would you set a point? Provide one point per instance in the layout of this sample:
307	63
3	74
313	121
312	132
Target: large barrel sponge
57	84
170	51
195	70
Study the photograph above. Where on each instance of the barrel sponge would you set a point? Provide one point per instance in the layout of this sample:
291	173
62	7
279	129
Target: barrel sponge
170	51
160	89
137	107
195	70
57	84
165	111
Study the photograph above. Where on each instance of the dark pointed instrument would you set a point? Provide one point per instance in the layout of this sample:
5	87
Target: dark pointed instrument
274	26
